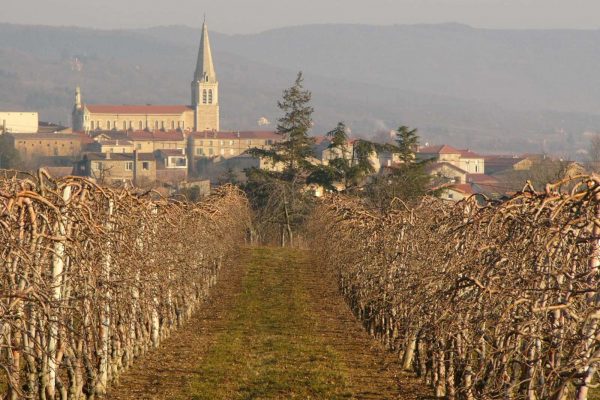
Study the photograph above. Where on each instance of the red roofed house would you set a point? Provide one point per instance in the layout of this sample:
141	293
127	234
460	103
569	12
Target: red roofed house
464	159
202	114
457	192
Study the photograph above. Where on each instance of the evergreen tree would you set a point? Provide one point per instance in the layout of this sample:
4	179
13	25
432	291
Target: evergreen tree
279	194
408	180
407	143
295	151
350	164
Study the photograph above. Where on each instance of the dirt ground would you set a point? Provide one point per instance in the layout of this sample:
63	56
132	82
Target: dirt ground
274	327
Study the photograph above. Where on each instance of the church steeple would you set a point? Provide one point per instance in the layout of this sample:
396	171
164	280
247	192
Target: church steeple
205	88
205	69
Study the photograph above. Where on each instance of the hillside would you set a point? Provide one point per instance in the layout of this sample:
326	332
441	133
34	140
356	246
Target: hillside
492	90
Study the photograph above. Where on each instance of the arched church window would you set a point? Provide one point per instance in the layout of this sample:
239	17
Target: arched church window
107	125
141	125
210	98
162	125
172	125
204	96
156	125
124	125
92	125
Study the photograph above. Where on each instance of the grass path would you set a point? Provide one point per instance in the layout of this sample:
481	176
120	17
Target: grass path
274	329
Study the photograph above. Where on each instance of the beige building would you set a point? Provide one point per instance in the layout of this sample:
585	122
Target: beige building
142	141
113	168
463	159
228	144
40	145
18	122
201	115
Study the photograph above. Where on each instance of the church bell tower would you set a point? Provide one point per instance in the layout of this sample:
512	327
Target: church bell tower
205	88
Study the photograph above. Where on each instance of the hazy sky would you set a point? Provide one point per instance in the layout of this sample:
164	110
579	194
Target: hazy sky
243	16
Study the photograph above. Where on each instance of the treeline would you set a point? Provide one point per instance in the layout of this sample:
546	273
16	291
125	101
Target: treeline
282	192
492	301
91	278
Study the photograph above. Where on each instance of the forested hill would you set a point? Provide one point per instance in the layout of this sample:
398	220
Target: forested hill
494	90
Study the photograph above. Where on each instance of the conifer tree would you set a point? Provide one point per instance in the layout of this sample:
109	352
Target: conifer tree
279	194
408	180
295	151
350	163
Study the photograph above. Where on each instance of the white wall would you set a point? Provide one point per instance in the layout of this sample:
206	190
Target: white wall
19	122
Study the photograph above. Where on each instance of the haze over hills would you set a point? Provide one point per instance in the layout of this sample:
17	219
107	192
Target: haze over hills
491	90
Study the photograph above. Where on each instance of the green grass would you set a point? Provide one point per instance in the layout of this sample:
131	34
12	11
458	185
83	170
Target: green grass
270	349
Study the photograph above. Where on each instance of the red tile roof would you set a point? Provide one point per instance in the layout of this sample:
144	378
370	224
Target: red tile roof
463	188
441	149
466	153
482	179
137	109
433	166
237	135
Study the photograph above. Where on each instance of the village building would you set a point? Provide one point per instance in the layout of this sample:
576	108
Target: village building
118	168
18	122
464	159
142	141
39	146
201	115
171	165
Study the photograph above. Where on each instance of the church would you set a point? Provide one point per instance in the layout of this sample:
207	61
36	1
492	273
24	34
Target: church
202	115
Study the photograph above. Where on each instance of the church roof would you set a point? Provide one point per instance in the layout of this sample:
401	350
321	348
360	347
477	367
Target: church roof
137	109
204	66
237	135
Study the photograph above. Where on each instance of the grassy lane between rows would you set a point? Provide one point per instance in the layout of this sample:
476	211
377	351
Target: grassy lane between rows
270	348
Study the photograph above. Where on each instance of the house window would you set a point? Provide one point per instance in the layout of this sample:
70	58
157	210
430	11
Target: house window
92	125
211	152
98	125
210	97
222	152
145	165
179	124
230	152
138	146
199	151
204	96
222	142
231	142
210	142
129	166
